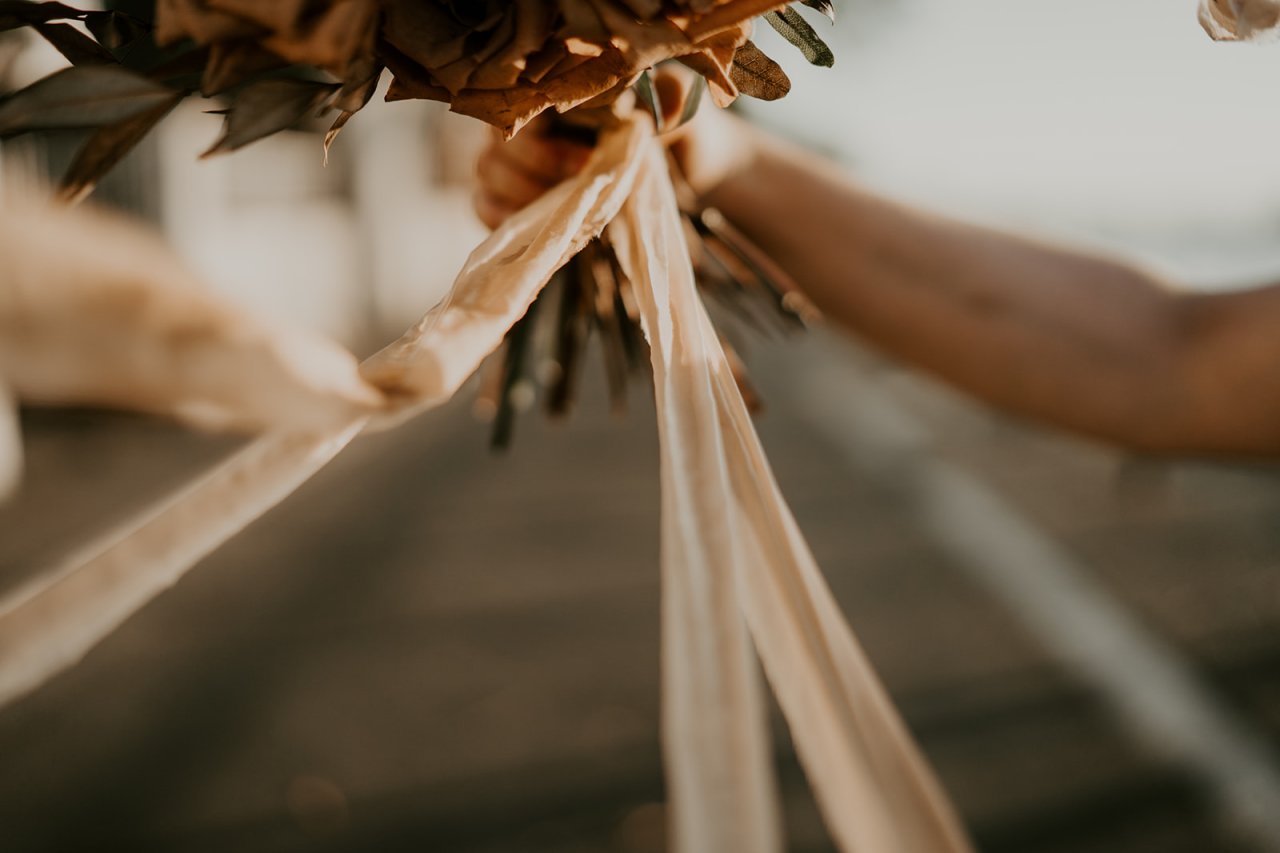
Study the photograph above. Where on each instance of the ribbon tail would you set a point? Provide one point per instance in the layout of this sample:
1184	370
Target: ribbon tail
47	626
876	792
722	791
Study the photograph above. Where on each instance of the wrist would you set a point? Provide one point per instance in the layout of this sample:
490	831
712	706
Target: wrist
717	148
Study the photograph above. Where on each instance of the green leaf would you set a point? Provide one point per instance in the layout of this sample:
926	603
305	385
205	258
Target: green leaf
266	107
648	94
80	96
692	101
77	47
108	146
757	75
795	29
823	6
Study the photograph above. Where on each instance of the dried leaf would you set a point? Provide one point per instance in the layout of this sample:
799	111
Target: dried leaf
182	19
714	59
424	32
824	6
407	89
230	64
266	107
498	61
81	96
359	86
116	30
20	13
77	47
581	22
107	146
726	16
503	62
332	133
182	68
795	29
409	79
283	16
757	75
507	109
330	39
644	9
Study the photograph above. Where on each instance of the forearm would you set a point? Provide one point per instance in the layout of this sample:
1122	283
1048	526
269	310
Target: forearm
1081	342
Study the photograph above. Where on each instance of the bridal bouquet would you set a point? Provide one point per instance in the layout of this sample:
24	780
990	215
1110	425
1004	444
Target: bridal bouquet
738	579
501	61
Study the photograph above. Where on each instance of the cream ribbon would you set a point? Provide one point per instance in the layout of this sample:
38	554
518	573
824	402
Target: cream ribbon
735	567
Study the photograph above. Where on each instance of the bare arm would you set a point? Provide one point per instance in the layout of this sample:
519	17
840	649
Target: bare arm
1078	341
1081	342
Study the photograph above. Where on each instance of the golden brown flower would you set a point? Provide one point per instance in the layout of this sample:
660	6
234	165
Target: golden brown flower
502	61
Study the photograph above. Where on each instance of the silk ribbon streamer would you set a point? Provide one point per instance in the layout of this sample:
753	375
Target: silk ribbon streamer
49	624
875	790
734	564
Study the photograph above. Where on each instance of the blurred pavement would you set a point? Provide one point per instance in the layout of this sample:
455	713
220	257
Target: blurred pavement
433	648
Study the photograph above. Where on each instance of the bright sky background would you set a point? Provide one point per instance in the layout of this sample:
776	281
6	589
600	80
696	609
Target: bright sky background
1117	122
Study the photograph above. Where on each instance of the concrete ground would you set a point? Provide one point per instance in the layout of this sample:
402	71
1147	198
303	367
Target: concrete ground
432	648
